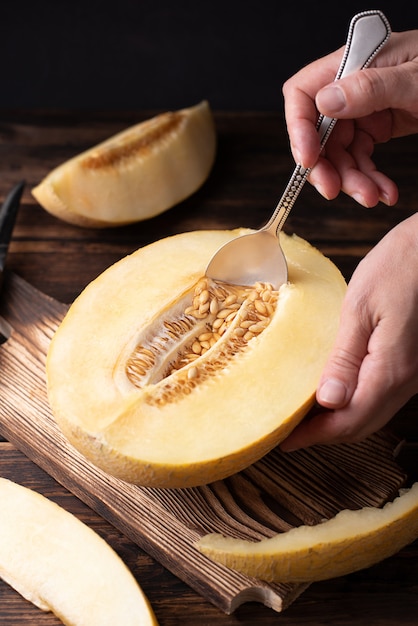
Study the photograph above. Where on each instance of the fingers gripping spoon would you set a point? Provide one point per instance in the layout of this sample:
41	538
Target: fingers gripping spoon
258	256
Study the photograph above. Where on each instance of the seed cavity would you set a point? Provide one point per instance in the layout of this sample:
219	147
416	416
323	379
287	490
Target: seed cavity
156	131
198	337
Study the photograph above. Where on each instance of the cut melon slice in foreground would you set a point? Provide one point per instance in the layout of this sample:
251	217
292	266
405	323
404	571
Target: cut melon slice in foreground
61	565
136	174
350	541
164	379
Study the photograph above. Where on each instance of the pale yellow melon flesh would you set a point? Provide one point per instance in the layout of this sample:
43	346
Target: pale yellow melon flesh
136	174
350	541
230	418
61	565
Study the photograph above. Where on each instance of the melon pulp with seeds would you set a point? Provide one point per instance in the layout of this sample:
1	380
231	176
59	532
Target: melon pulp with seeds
350	541
136	174
61	565
165	379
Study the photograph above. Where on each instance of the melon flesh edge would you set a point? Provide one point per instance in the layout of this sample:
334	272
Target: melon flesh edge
262	394
350	541
61	565
141	184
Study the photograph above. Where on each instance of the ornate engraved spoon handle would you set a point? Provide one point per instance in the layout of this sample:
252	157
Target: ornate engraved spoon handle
368	33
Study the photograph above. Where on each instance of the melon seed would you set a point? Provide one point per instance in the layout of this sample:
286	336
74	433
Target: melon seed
217	307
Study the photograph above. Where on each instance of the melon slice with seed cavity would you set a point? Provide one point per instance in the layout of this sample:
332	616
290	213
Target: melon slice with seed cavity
166	379
61	565
348	542
136	174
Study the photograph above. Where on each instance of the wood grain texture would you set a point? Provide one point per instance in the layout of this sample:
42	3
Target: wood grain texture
252	166
275	494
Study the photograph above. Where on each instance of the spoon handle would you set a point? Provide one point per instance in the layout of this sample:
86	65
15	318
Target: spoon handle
368	33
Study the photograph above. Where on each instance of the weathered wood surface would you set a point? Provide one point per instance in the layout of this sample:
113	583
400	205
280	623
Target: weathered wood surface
252	166
277	493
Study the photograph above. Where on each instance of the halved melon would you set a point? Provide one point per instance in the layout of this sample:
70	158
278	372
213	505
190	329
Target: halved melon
136	174
166	379
350	541
61	565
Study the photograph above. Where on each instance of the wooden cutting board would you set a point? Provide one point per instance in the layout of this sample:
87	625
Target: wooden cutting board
273	495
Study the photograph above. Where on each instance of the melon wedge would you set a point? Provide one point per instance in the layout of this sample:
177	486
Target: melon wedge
59	564
117	386
350	541
136	174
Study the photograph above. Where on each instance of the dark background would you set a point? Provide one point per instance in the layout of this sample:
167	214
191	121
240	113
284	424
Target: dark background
157	54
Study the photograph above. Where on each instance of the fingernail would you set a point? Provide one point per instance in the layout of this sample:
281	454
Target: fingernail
332	392
320	190
385	199
317	185
331	99
360	199
297	156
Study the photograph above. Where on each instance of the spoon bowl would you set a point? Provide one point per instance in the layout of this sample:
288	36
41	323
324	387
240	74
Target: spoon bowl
255	248
258	257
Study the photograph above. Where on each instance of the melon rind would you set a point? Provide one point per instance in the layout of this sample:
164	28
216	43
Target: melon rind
135	174
61	565
232	418
350	541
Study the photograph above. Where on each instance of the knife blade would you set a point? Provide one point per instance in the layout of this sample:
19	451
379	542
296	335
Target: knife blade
8	213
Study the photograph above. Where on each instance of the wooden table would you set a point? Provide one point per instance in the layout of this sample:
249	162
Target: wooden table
252	167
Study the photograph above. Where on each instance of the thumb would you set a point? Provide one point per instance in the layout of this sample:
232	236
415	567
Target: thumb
368	91
340	374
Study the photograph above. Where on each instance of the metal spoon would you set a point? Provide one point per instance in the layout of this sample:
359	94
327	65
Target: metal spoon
258	256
